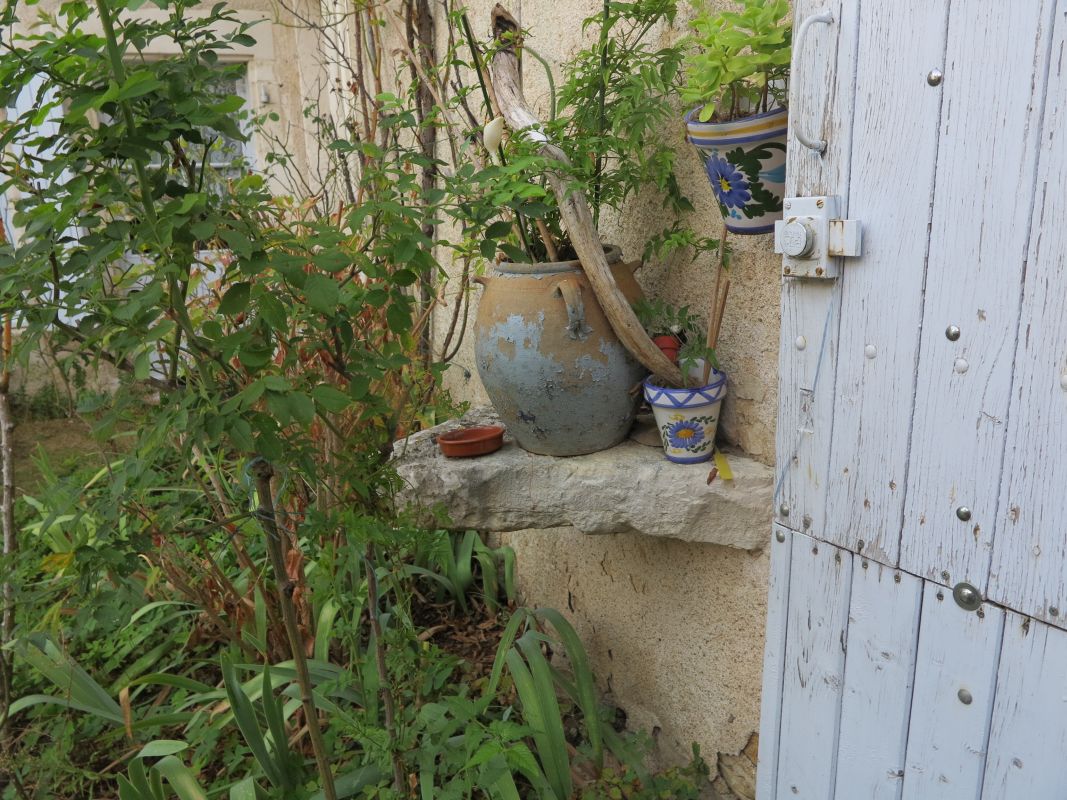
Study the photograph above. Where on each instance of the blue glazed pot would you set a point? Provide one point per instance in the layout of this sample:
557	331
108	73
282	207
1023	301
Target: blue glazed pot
745	162
553	368
687	418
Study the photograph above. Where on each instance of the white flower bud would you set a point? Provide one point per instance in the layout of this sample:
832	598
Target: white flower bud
493	133
676	329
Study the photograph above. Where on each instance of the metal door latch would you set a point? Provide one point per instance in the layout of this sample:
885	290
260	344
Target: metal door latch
811	237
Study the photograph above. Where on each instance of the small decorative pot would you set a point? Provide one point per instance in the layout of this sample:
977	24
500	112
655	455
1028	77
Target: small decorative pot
670	345
745	162
687	418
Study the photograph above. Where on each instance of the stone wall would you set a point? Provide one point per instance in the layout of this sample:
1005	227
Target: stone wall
675	629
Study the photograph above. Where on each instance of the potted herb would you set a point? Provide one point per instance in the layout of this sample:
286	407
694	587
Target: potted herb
550	361
736	73
666	325
687	416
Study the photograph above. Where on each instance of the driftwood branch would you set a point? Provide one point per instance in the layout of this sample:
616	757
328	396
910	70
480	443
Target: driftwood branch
574	209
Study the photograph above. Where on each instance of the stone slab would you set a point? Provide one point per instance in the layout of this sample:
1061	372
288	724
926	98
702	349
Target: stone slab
630	488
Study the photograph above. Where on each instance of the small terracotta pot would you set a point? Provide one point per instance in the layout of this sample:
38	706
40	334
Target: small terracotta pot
670	345
471	442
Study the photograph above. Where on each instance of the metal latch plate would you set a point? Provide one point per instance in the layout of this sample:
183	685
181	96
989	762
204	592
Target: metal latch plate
811	238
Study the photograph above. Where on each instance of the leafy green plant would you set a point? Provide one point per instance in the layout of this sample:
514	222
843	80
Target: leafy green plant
660	318
231	604
737	62
608	114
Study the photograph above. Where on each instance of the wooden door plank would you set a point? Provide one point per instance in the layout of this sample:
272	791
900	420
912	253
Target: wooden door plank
773	663
820	577
990	123
881	306
821	95
947	737
1028	735
1030	545
883	636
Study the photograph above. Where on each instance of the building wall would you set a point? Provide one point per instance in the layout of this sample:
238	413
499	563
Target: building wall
675	630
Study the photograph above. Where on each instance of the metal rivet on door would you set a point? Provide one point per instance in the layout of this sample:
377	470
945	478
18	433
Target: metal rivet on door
934	77
952	333
870	351
779	535
783	510
967	597
961	365
963	513
801	343
965	697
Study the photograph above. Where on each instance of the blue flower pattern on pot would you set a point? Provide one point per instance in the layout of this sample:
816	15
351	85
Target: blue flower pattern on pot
745	163
728	182
685	433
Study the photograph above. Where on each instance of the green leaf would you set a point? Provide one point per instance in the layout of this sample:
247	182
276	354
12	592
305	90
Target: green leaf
330	397
498	230
161	747
77	688
398	317
236	299
301	407
245	716
322	293
180	778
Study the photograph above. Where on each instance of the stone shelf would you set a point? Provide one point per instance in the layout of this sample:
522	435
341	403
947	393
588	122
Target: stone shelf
631	488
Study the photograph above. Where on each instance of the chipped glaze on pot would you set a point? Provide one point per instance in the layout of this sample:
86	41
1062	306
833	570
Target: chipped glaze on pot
553	368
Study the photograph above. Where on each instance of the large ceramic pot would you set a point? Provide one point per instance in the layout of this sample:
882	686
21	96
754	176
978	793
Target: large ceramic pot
745	162
555	371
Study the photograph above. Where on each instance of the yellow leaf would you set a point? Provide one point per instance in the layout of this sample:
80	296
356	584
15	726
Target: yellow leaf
723	466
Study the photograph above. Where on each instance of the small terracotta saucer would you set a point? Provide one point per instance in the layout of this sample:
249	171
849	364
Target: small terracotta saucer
471	442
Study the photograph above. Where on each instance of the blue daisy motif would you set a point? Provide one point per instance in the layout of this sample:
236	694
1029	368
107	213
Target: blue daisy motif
728	182
684	434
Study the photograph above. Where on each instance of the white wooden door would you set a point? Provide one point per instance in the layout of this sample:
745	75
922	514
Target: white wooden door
922	433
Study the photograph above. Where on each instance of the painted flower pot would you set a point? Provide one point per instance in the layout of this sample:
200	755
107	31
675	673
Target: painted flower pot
687	418
553	368
745	162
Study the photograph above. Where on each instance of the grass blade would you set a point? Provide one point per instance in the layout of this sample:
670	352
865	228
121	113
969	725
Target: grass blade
78	688
584	681
180	778
245	716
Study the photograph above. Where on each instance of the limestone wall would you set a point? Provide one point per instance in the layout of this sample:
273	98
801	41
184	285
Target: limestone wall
675	629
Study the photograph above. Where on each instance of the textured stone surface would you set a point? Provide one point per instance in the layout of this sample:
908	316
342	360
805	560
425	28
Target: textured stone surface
631	488
674	631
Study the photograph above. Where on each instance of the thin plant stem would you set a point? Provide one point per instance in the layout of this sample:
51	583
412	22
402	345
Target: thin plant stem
602	95
263	472
383	677
479	70
7	516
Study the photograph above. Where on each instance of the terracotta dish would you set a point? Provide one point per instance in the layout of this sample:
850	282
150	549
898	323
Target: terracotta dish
470	442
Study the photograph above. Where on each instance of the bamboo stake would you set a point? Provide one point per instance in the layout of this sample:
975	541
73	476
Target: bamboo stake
573	206
718	306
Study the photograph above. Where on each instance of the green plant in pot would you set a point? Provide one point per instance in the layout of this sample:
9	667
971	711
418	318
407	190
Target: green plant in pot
736	76
670	328
687	416
551	363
